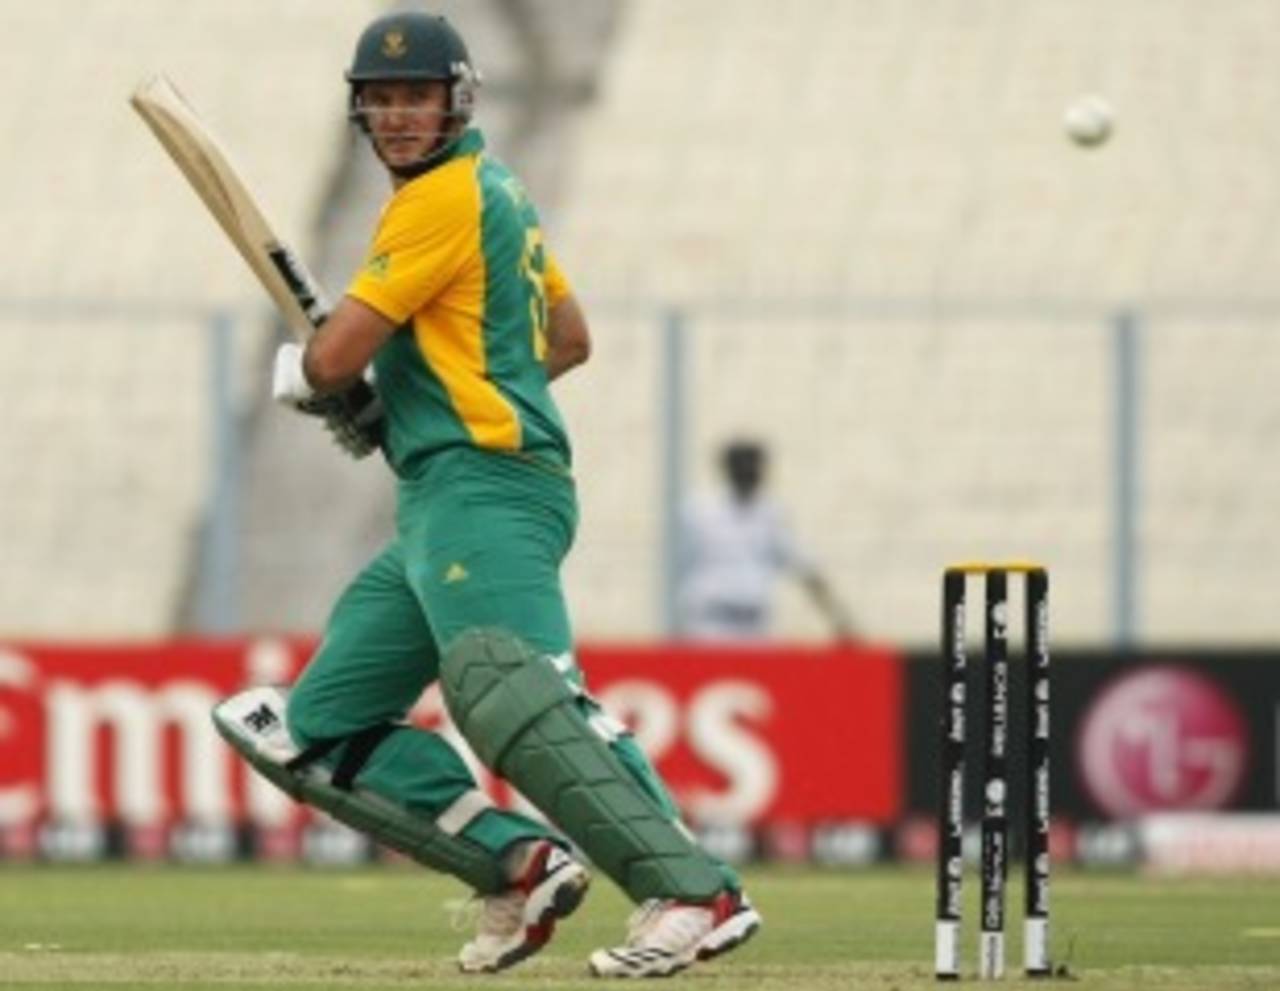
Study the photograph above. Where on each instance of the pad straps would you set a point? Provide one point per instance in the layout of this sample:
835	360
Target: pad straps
360	746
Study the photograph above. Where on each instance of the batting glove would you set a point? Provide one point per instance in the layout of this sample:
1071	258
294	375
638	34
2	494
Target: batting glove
356	419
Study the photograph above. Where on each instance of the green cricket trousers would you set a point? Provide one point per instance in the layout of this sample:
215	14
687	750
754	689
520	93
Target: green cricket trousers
479	542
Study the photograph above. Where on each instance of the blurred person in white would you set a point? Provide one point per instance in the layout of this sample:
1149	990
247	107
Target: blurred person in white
735	545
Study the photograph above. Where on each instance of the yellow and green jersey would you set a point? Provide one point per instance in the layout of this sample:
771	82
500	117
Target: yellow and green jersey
458	260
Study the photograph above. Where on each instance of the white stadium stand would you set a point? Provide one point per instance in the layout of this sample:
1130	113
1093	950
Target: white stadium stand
783	170
111	271
887	260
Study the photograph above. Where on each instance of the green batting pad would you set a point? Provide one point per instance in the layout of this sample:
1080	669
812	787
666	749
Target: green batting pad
522	718
253	724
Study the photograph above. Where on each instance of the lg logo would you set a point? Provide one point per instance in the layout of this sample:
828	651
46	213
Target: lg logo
1162	738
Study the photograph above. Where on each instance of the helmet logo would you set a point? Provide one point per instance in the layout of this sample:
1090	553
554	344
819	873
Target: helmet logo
393	44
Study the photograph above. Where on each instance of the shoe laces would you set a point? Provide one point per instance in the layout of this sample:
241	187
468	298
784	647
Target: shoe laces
490	915
643	918
672	926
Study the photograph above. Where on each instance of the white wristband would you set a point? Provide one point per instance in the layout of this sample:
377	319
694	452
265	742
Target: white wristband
289	383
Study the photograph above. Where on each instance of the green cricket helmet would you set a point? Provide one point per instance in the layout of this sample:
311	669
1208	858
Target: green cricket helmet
411	46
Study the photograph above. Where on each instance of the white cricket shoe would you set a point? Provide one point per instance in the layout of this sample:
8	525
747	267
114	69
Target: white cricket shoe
664	937
519	922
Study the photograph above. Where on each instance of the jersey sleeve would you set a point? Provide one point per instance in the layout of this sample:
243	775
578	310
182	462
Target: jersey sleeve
421	244
557	286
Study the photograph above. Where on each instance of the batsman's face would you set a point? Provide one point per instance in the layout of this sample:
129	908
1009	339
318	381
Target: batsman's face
405	118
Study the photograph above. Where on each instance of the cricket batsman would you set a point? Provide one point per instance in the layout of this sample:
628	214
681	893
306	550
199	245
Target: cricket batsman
440	354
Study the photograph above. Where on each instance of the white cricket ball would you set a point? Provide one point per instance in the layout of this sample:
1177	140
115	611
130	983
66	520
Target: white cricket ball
1089	120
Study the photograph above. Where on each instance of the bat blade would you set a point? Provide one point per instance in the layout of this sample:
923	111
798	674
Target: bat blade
208	167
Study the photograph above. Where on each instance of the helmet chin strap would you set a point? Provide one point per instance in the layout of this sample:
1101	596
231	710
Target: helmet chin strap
424	164
445	140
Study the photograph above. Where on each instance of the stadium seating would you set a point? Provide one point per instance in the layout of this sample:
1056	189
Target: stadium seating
887	261
112	273
784	173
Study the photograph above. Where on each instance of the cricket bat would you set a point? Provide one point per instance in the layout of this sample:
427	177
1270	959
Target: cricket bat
208	167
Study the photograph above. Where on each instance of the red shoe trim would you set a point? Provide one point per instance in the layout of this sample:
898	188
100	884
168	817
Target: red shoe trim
532	874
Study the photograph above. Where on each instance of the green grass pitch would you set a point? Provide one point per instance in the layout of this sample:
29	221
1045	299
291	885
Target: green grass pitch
252	928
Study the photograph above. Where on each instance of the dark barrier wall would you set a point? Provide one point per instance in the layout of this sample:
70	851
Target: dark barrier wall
783	752
1132	734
